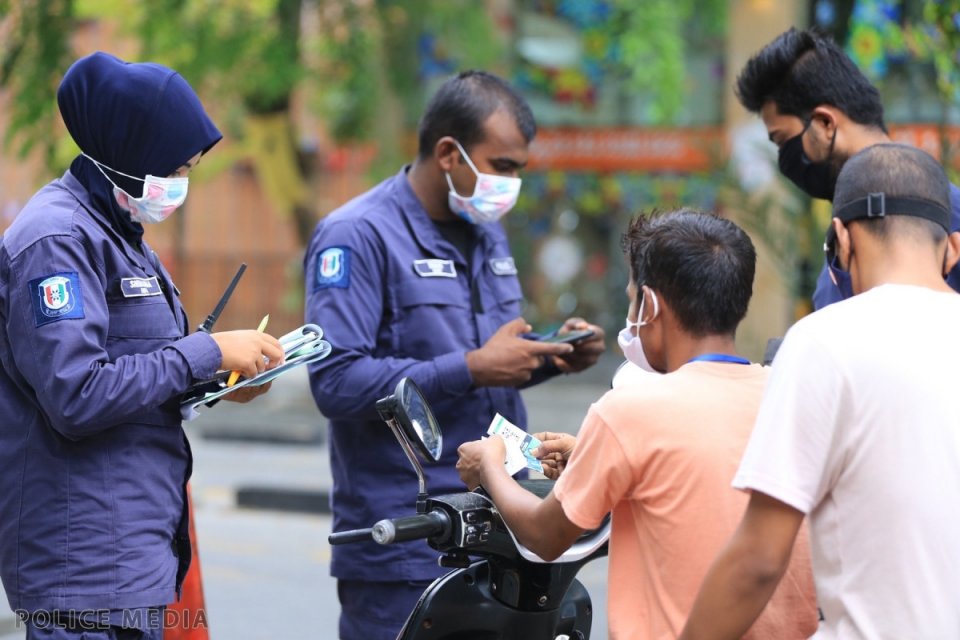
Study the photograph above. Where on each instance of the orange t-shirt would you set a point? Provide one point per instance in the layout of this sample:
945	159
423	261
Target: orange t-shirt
661	454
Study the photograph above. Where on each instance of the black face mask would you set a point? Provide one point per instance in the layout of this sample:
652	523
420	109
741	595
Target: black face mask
817	179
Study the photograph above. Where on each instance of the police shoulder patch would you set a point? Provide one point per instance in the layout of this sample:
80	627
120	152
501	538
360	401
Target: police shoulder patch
333	268
503	266
56	297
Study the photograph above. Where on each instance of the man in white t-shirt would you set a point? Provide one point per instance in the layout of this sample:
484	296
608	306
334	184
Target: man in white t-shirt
859	428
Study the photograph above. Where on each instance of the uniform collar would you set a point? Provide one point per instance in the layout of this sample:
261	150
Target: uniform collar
425	232
71	184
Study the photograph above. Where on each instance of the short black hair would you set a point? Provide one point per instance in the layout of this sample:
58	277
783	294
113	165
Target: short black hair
701	264
896	170
801	70
462	105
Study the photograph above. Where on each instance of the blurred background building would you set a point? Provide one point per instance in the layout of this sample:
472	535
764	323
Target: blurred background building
318	100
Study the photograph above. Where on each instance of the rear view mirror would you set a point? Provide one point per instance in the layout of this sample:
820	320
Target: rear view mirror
417	421
413	424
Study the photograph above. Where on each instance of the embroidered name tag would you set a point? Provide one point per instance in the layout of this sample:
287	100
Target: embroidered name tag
140	287
503	266
333	268
56	297
435	268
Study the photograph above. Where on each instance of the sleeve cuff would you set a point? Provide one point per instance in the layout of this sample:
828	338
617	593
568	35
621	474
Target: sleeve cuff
746	481
574	515
452	373
202	354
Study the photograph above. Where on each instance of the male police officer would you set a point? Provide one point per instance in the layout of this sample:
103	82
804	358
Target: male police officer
820	110
415	278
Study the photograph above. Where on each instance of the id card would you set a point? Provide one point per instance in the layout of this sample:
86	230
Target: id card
519	445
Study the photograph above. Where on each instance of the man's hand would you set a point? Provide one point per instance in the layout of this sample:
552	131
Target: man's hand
508	360
553	452
248	351
540	525
248	393
480	457
586	352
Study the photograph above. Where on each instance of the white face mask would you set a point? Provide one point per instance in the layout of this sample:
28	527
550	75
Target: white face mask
630	344
161	196
492	198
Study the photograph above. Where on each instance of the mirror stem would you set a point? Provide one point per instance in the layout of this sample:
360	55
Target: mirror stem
412	457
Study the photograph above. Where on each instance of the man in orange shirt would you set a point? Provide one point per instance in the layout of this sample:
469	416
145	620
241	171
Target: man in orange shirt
661	453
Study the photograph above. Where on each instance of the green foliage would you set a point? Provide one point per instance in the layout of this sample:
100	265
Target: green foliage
367	49
242	50
251	54
943	18
463	31
35	56
347	51
653	48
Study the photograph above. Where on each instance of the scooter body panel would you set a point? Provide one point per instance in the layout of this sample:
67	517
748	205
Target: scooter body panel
462	605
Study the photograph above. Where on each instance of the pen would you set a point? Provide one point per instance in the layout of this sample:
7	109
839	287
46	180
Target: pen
234	375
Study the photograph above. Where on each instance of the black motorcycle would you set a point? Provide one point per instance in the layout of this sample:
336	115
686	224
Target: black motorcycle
497	588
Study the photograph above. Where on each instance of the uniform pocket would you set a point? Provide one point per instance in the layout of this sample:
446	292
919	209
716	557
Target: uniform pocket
434	317
432	292
506	290
149	318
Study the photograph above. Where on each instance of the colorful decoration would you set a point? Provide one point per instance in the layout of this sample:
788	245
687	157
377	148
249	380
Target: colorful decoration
876	36
565	233
579	83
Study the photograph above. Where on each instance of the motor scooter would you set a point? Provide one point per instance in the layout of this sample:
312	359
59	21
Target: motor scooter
497	588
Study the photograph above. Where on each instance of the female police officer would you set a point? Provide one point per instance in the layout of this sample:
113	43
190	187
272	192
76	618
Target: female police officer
94	353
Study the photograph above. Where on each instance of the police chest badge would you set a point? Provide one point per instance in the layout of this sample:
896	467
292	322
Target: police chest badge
140	287
333	268
56	297
435	268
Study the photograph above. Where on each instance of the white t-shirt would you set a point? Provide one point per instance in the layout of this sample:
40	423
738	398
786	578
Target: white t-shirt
859	428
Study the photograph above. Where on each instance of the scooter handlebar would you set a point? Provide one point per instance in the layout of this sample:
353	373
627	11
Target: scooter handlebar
347	537
422	525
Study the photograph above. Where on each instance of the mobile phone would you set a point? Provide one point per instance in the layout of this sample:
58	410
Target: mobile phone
571	337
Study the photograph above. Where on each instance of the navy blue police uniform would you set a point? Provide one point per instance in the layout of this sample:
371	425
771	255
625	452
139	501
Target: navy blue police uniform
95	352
397	299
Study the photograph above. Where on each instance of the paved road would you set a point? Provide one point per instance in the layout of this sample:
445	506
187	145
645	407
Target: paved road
266	572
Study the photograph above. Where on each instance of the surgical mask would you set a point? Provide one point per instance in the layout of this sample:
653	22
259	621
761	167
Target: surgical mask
630	344
161	196
817	179
493	196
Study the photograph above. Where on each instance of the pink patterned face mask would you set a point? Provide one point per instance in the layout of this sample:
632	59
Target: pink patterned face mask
161	196
492	198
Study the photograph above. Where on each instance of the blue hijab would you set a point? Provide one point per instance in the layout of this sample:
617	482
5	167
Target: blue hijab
138	118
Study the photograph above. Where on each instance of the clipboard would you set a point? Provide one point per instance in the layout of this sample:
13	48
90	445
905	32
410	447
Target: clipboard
301	346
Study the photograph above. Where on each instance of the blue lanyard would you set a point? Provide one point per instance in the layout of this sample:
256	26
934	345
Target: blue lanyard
719	357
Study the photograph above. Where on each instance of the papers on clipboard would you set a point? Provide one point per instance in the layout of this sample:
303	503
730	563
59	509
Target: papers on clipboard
301	346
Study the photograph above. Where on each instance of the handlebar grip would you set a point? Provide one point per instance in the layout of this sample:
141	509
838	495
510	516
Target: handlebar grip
422	525
346	537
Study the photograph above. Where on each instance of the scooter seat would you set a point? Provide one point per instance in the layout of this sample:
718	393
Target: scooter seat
588	542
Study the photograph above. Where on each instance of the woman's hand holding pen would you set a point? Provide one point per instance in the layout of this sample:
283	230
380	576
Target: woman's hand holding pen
248	351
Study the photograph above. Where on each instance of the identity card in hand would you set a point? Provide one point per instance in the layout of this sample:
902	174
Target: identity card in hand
519	445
